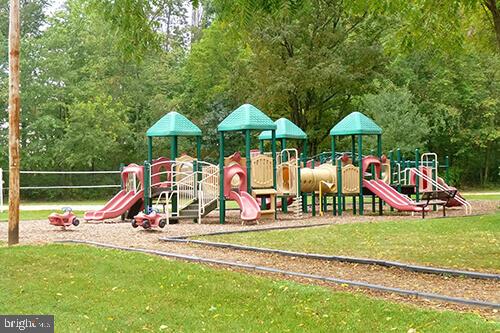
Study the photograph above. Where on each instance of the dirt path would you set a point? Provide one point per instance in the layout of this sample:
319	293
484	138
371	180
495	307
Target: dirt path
39	232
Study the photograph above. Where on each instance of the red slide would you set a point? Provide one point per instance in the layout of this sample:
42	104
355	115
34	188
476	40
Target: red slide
392	197
249	207
115	207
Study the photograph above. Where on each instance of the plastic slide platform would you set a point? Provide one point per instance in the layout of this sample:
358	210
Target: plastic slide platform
115	207
392	197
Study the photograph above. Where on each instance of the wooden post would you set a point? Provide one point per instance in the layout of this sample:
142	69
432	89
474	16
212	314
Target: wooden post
14	110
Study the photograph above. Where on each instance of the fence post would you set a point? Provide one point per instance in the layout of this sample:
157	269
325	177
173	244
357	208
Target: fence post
147	186
1	190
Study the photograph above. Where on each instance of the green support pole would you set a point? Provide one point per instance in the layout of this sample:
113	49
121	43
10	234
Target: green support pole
304	160
398	154
150	149
360	161
304	203
222	201
313	195
173	148
354	205
273	151
391	166
249	161
379	155
147	177
372	171
173	156
261	146
339	187
417	180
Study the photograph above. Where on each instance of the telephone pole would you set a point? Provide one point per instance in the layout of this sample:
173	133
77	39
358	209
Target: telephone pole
14	111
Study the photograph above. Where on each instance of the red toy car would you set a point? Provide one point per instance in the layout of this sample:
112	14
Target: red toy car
65	219
148	221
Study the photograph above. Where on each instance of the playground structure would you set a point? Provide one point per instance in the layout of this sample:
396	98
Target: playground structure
166	190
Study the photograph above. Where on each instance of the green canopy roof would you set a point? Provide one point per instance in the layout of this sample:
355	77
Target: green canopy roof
354	124
246	117
174	124
285	129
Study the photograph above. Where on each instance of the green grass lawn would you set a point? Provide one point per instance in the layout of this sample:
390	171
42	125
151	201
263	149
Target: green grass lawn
464	242
36	214
478	196
97	290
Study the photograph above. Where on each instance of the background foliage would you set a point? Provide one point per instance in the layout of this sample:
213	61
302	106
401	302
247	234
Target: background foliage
96	74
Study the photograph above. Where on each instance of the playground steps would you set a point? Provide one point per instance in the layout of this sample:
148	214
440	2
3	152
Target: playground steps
191	211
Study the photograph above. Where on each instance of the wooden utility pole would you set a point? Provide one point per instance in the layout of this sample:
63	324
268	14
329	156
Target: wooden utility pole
14	111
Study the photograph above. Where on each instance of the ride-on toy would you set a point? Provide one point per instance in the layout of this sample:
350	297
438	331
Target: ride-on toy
65	219
148	221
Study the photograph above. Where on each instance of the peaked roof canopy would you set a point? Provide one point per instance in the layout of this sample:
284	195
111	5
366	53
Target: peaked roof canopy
285	129
246	117
354	124
174	124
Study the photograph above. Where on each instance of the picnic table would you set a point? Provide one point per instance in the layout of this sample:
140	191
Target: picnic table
438	198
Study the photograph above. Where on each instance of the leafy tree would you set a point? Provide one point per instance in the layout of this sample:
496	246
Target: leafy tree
95	133
393	109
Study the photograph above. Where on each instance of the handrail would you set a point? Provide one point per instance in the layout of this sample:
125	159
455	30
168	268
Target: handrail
467	205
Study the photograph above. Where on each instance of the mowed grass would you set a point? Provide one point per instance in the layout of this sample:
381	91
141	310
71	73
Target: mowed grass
97	290
464	242
29	215
482	196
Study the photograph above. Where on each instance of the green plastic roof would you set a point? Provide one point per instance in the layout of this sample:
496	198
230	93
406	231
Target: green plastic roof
354	124
246	117
174	124
285	129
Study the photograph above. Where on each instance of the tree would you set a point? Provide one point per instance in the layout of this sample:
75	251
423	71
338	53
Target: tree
393	109
95	133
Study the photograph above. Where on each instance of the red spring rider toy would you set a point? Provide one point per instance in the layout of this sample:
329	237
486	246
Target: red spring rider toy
148	221
65	219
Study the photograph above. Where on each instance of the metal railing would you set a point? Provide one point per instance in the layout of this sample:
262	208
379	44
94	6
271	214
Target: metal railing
467	206
187	182
208	186
288	158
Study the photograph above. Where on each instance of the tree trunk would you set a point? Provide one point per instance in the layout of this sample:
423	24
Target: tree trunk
495	16
14	110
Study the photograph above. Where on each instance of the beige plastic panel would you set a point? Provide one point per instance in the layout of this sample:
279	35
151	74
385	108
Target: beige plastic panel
287	178
186	167
262	171
350	179
386	172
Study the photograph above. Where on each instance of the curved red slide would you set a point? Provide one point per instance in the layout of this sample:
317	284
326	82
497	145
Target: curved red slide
392	197
249	207
115	207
